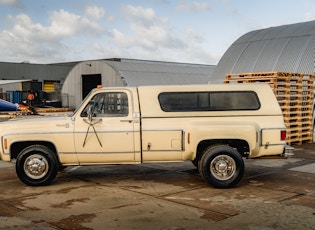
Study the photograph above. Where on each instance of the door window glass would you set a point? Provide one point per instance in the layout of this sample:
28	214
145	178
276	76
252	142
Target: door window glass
113	104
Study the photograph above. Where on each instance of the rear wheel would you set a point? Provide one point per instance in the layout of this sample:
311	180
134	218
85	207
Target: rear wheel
221	166
36	165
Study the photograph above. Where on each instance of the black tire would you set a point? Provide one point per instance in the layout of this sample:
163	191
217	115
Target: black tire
36	165
61	168
221	166
195	162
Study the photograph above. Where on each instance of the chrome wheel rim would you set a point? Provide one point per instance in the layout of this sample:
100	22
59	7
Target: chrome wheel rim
223	167
36	166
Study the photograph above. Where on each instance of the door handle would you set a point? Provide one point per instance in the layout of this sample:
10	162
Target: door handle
129	121
63	125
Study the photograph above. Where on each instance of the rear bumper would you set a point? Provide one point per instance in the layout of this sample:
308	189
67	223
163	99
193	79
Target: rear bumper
288	151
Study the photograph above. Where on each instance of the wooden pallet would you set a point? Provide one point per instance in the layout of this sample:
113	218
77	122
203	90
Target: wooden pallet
52	110
295	94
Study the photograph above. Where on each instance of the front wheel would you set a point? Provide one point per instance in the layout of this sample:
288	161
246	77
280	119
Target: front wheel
221	166
36	165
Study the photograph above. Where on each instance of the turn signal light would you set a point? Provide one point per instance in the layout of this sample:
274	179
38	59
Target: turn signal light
5	144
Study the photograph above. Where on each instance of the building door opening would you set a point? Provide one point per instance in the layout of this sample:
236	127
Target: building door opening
89	82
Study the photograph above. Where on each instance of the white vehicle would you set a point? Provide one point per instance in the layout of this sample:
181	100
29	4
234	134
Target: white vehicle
214	126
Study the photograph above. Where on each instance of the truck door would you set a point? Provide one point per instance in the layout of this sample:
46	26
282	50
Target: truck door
104	130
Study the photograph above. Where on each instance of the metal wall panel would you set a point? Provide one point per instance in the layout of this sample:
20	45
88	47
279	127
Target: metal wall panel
269	55
39	72
248	58
291	56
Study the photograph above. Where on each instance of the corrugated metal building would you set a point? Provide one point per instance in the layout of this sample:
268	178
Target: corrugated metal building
127	72
287	48
48	74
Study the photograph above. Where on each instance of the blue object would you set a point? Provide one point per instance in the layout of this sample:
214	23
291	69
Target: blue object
14	96
7	106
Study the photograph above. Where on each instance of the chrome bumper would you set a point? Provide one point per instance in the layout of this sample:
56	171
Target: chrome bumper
288	151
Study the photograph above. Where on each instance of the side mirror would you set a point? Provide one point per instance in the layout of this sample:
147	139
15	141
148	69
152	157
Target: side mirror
90	113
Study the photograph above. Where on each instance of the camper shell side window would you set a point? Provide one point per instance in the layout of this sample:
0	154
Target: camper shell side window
208	101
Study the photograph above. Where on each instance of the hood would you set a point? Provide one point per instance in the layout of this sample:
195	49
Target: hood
32	125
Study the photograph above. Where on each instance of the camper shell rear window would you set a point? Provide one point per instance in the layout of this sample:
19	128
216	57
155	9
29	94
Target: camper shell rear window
208	101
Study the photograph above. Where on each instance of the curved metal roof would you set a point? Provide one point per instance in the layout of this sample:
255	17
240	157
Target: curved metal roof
287	48
141	72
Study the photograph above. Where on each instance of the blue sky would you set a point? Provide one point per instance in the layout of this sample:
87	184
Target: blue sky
199	31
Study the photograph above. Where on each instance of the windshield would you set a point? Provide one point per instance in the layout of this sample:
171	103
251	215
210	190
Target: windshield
76	110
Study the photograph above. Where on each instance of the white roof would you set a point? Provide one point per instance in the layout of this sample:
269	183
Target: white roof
5	82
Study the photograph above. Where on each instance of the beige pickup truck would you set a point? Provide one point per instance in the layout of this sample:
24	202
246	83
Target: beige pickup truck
214	126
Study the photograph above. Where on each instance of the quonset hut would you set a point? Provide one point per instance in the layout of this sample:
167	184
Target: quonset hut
87	75
287	48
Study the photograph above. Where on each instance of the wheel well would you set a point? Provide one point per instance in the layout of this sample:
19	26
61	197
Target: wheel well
241	145
17	147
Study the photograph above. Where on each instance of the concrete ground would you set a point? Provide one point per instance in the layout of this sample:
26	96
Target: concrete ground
274	194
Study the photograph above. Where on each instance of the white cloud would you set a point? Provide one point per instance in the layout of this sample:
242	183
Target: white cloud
156	36
28	40
64	23
194	35
309	16
146	31
121	39
139	12
151	37
193	6
144	16
13	3
97	12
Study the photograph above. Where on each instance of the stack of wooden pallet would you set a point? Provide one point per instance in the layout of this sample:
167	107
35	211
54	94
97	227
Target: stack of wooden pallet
295	94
